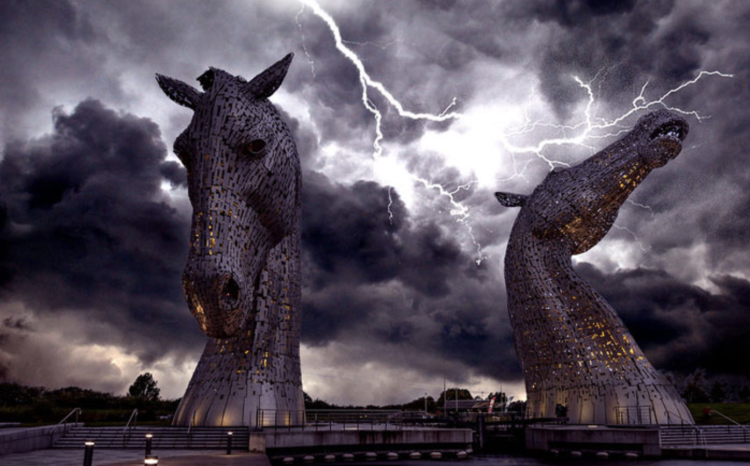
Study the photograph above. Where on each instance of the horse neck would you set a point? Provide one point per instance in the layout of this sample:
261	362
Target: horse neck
537	265
280	284
543	287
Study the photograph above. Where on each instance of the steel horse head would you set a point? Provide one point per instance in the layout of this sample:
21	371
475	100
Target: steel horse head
243	182
242	278
575	351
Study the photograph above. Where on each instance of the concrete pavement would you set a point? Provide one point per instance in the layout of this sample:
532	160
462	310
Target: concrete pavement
134	458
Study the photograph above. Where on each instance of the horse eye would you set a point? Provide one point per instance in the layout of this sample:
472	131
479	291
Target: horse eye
256	146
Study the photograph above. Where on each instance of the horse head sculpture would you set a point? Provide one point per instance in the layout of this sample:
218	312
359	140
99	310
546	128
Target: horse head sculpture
242	280
574	350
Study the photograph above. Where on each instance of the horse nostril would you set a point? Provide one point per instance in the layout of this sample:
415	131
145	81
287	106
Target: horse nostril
231	290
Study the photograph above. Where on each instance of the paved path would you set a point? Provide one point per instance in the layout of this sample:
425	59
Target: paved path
134	458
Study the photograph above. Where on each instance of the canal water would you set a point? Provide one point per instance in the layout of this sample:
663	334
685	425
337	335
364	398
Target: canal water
509	460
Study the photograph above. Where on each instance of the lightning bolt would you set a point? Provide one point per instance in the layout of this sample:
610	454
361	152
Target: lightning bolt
633	234
587	129
380	46
589	125
368	83
459	210
642	206
304	46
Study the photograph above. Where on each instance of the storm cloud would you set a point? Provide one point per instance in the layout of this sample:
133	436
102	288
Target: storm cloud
94	217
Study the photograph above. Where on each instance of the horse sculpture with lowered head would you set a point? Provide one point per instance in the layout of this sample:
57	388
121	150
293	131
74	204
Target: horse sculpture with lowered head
577	356
242	279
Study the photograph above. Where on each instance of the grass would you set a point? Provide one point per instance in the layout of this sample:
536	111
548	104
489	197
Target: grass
740	412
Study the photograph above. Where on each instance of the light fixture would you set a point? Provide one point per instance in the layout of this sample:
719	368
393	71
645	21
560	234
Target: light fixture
88	453
149	438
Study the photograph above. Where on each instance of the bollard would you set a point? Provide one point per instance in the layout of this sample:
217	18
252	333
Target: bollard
149	438
151	460
229	443
88	453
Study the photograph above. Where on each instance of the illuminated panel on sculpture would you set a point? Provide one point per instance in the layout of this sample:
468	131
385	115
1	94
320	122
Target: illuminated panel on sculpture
578	358
242	278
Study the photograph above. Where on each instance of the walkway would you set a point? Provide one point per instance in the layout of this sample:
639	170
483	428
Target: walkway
134	458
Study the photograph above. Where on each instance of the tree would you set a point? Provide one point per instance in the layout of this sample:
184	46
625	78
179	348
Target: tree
13	394
500	398
419	404
718	392
463	394
694	391
144	388
517	406
744	393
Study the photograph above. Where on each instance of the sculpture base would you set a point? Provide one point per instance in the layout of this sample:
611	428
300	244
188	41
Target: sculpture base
611	405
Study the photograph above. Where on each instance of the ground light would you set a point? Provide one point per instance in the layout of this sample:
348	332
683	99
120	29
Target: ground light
88	453
149	438
151	460
229	443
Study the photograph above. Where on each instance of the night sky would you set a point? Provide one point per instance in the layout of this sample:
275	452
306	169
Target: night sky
402	279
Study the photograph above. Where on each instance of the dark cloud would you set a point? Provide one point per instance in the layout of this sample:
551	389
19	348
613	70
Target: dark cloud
88	235
680	326
624	43
46	44
349	236
90	232
175	173
396	281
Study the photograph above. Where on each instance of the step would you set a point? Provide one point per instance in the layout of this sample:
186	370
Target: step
213	438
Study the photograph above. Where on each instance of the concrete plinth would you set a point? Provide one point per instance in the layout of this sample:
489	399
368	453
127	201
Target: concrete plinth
20	440
643	441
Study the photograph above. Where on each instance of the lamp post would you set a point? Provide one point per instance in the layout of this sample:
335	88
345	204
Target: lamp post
229	443
151	460
88	453
149	438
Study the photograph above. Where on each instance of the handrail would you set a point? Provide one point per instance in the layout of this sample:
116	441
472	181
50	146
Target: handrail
728	418
75	411
669	413
700	437
134	419
192	422
744	428
636	413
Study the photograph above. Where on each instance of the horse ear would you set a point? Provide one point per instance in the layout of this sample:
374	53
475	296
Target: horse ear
266	83
181	93
511	200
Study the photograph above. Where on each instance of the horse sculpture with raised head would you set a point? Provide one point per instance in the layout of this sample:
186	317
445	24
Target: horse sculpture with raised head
576	354
242	279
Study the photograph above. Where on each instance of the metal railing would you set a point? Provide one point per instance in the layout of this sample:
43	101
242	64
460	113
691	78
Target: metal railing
129	428
669	415
331	419
191	424
64	422
76	412
744	428
635	415
698	437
